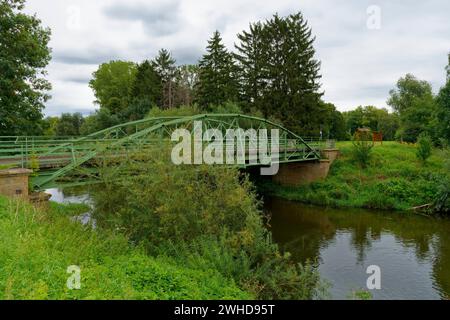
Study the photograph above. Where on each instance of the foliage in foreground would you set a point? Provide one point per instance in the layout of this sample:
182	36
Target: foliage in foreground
394	179
36	247
204	217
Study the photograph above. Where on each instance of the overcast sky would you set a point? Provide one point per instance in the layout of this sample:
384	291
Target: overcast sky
364	46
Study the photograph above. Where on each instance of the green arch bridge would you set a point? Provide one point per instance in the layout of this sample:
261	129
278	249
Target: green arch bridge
62	157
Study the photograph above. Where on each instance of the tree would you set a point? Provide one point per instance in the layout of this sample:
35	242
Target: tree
100	120
251	56
69	124
146	92
374	118
167	70
441	121
332	122
24	54
49	126
278	72
112	84
413	100
217	75
186	81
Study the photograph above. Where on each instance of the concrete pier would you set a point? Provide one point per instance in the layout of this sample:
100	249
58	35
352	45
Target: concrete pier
300	173
14	182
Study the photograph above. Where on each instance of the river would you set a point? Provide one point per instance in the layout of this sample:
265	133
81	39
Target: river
412	252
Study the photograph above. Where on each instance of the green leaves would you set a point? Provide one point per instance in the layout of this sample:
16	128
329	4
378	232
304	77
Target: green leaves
24	54
217	75
424	147
278	73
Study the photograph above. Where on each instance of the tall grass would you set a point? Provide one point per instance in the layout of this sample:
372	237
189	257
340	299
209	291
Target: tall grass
205	217
393	180
37	247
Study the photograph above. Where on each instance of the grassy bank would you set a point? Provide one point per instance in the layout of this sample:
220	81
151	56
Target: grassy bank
37	246
394	179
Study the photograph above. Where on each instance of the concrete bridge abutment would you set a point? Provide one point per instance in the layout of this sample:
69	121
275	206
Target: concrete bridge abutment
301	173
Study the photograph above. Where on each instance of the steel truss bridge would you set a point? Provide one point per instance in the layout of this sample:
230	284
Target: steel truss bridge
57	158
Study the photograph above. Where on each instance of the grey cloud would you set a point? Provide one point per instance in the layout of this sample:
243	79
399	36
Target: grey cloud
158	19
76	79
83	57
188	55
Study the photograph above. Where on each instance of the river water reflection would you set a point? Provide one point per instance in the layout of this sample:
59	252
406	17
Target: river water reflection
412	251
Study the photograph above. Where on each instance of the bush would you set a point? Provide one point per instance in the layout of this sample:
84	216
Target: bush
203	215
362	147
424	146
36	247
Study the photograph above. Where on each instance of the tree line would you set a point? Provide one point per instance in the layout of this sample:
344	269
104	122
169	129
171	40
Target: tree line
272	73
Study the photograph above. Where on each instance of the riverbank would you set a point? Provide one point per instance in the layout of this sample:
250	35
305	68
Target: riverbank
394	180
37	246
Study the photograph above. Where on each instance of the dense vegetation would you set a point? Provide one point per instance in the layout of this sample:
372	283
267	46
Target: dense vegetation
203	217
37	247
394	179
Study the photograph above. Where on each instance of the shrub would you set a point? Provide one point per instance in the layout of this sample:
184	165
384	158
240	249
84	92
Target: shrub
362	147
36	247
207	214
424	146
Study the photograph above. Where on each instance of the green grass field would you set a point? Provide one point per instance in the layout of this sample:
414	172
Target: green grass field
37	247
395	179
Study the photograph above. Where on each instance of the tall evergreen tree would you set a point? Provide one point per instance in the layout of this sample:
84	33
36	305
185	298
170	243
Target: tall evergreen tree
167	70
250	55
217	75
279	74
293	73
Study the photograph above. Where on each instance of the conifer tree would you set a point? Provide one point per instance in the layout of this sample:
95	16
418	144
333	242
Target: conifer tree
250	56
279	74
167	70
293	72
217	75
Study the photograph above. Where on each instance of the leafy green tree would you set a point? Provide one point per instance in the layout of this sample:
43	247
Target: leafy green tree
90	125
100	120
49	126
24	54
332	122
69	124
112	84
165	66
374	118
413	100
217	76
441	122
